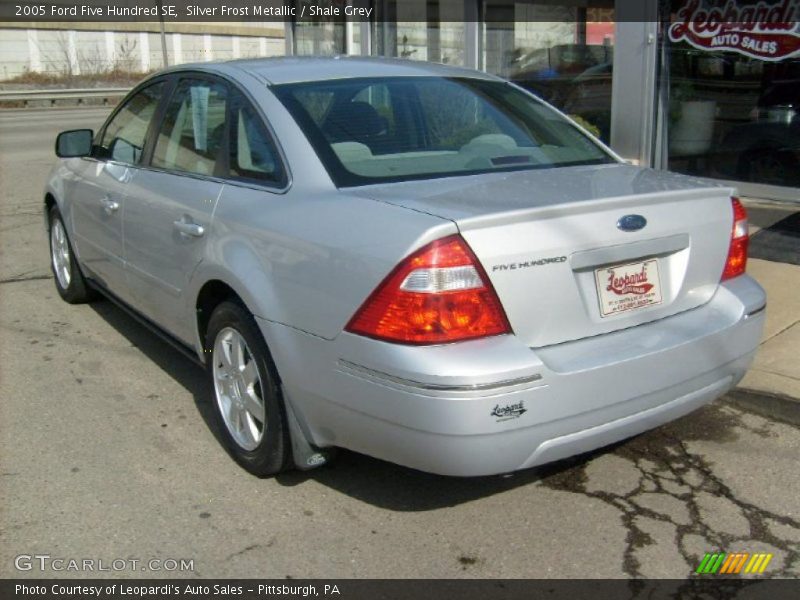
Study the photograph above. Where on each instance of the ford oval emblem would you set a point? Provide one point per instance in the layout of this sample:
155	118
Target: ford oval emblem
631	223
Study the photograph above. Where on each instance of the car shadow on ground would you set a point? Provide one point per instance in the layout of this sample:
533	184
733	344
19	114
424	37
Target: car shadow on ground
779	242
401	489
361	477
188	374
398	488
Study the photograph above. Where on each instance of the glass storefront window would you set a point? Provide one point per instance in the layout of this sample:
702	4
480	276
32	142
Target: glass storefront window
431	30
734	91
321	37
563	52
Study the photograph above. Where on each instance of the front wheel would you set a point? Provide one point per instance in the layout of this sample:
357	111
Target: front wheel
69	280
248	406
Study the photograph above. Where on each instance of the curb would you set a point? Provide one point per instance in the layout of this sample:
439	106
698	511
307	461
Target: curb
774	406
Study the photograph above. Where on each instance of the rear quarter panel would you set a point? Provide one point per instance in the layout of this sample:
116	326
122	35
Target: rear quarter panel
307	256
308	260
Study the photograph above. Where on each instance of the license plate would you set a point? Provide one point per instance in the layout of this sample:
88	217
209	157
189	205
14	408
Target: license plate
622	288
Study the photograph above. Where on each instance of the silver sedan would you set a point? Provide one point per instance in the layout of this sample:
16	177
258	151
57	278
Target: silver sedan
422	263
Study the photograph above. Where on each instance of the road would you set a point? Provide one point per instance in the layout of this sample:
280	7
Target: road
106	452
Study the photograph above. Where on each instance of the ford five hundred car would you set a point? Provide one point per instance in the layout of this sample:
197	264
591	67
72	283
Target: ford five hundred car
421	263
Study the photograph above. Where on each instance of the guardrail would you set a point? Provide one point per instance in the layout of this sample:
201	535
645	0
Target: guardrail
52	96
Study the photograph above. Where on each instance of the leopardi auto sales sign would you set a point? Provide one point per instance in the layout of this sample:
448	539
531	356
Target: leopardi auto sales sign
764	30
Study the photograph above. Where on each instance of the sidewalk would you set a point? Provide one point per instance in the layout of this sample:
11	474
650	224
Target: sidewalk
772	386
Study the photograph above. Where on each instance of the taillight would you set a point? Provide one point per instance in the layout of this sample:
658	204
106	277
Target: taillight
736	263
437	295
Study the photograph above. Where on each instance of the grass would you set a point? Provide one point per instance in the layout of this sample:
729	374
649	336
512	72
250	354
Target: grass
114	78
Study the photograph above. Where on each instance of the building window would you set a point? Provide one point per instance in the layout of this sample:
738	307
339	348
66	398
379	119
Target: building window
563	53
431	30
733	94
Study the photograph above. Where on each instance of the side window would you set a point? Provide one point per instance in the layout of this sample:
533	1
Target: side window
123	138
252	153
191	134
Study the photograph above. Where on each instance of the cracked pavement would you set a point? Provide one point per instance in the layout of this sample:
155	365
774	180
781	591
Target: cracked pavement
106	452
667	489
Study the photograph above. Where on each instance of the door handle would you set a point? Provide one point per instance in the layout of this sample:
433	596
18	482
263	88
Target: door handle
189	229
109	205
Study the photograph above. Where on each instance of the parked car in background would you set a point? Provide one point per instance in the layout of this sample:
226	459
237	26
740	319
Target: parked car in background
767	149
551	72
590	97
574	77
422	263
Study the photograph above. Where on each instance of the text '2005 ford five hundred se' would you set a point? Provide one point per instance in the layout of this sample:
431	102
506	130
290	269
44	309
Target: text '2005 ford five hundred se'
421	263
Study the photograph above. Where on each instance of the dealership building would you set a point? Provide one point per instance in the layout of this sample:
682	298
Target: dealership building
704	87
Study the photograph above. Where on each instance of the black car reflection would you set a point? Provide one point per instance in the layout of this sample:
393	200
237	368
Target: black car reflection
574	77
766	150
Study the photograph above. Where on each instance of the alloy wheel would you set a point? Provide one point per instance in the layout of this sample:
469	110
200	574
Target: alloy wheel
60	253
238	389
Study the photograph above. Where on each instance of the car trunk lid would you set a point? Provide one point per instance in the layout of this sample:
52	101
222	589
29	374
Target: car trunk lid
555	249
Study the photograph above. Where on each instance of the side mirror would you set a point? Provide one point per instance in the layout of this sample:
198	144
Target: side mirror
77	142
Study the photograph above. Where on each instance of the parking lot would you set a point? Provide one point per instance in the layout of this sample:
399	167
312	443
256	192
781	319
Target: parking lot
106	453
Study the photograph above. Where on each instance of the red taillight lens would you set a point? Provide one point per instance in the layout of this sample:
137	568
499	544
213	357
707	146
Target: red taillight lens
736	263
437	295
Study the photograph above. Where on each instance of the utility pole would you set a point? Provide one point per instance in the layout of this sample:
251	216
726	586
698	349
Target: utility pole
164	53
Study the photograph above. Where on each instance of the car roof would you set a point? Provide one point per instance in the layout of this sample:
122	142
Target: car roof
297	69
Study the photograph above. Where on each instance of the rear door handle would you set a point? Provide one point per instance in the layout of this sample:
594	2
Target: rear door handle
109	205
189	229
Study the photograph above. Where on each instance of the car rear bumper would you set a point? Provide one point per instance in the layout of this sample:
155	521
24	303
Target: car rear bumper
494	405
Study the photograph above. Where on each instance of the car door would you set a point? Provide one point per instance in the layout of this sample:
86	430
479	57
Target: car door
170	203
102	183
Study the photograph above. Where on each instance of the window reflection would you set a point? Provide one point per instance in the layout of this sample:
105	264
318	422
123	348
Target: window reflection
563	54
731	115
428	30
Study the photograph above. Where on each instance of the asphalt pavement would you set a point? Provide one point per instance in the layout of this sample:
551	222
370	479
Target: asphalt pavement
106	453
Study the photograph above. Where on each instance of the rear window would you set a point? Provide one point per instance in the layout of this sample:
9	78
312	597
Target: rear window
394	129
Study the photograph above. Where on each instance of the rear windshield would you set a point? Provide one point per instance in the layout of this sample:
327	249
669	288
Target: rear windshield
394	129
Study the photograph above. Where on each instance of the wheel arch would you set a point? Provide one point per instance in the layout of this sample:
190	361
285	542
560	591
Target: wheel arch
54	194
212	293
49	203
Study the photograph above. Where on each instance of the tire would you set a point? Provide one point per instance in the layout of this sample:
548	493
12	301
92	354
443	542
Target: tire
70	283
247	403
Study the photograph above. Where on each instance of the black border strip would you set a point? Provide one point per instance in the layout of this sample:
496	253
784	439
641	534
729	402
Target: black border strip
406	589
